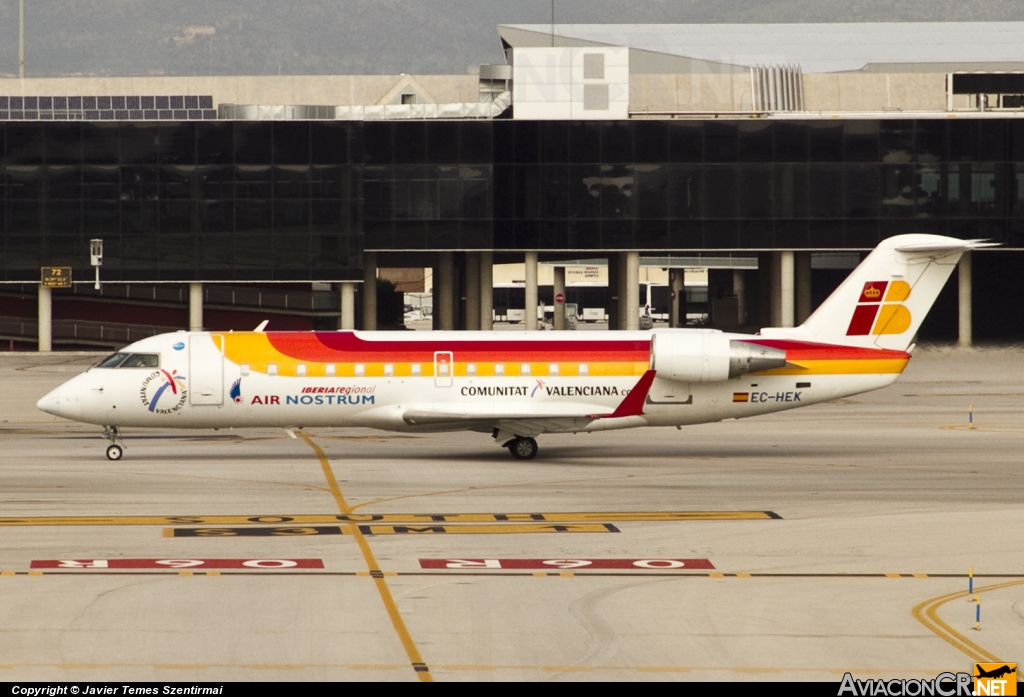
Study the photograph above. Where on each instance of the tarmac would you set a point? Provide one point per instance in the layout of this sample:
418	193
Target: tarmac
797	546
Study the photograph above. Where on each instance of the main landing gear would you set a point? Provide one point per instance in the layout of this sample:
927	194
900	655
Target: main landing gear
522	448
114	451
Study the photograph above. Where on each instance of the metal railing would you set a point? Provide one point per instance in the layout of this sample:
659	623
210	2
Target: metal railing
73	331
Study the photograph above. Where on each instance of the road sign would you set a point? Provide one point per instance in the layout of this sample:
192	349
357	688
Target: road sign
560	298
55	277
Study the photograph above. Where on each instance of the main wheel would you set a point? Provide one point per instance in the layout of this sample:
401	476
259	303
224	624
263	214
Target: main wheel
523	448
114	452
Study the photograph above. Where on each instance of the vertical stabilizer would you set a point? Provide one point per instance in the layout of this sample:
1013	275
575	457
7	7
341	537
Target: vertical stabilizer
883	302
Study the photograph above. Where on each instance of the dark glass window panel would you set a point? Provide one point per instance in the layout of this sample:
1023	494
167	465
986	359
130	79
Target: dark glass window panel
896	141
178	253
476	193
755	191
617	234
650	141
826	234
140	183
216	251
380	234
65	249
177	182
504	191
329	182
140	219
415	193
860	141
720	141
215	182
1015	140
527	192
720	192
755	234
410	143
826	191
617	142
291	143
861	234
720	234
216	217
584	142
327	213
443	143
291	216
651	234
100	219
930	140
63	182
65	218
23	254
25	144
449	198
504	234
378	193
99	182
476	234
861	194
329	143
992	140
527	142
929	196
757	141
793	234
177	217
652	191
178	144
554	141
1017	190
25	183
100	143
685	191
253	182
618	187
527	234
554	234
291	181
554	191
898	194
791	142
685	141
378	146
503	141
443	234
686	234
825	141
252	143
410	234
215	143
475	143
963	139
792	191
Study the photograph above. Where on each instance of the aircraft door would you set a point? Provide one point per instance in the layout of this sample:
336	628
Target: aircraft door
206	370
444	367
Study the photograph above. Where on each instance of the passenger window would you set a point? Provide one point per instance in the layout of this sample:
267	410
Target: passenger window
553	369
524	369
142	360
471	369
271	369
360	370
329	371
300	370
112	361
389	369
416	369
584	369
499	368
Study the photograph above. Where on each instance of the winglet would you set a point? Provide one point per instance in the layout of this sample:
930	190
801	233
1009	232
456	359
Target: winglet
633	404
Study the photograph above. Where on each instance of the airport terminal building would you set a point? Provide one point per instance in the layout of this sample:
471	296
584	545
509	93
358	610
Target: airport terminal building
800	146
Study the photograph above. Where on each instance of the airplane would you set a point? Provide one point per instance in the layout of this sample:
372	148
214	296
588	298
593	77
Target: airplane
995	673
517	386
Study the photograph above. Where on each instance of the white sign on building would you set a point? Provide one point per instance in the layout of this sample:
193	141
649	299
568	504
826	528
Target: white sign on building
570	83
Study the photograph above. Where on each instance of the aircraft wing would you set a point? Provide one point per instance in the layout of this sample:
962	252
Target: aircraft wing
542	418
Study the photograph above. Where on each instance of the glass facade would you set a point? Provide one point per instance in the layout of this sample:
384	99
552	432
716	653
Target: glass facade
300	200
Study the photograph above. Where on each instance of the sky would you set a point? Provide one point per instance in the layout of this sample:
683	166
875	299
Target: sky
263	37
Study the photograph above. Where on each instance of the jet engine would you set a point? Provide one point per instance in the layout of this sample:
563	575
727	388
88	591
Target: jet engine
707	355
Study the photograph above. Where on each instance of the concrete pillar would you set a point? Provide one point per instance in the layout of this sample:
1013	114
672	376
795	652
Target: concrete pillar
612	308
487	291
444	291
803	286
676	288
966	319
762	308
45	317
369	291
786	288
559	289
631	261
472	291
739	289
531	291
775	294
195	307
348	305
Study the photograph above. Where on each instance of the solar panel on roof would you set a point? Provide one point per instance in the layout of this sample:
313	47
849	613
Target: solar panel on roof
191	102
132	103
147	102
17	103
74	102
31	102
177	102
163	103
89	103
206	102
103	103
117	103
46	103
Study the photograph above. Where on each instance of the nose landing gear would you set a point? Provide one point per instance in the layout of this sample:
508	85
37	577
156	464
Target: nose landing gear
114	451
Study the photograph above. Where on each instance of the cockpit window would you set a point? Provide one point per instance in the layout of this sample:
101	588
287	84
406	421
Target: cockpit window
141	360
112	361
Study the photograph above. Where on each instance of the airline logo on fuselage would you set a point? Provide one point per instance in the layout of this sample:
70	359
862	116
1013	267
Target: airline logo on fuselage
875	315
550	391
321	396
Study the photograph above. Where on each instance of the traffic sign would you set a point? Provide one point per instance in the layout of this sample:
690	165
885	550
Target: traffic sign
55	277
560	298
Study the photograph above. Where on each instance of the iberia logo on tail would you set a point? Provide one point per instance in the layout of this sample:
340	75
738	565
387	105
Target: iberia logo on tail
880	309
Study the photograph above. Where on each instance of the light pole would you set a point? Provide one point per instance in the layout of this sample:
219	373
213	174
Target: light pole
21	39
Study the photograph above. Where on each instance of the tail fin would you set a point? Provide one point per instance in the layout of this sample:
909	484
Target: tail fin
883	302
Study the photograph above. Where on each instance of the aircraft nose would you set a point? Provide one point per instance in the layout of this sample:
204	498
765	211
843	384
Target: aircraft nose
50	403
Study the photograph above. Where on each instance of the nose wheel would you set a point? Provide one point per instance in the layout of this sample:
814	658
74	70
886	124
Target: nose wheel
523	448
114	451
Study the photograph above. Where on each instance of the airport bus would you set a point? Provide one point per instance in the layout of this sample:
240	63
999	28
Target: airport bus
591	300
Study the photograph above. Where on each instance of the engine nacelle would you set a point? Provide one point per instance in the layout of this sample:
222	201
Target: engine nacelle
707	355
